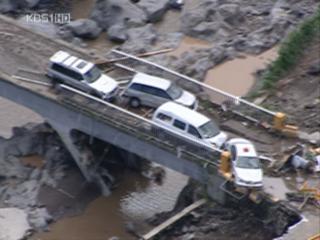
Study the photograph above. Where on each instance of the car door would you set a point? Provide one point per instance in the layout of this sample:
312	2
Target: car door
193	132
71	77
161	96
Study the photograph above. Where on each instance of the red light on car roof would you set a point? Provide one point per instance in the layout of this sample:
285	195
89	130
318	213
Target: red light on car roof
246	149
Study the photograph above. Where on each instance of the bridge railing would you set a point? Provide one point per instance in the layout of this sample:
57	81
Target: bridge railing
142	128
213	97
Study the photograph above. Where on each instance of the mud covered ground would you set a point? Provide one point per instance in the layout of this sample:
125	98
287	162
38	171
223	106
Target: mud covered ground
298	94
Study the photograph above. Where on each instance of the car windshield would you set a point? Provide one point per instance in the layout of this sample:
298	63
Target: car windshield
248	162
209	129
174	91
92	75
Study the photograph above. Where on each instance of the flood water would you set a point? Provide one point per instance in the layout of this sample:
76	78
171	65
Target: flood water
237	76
134	201
189	43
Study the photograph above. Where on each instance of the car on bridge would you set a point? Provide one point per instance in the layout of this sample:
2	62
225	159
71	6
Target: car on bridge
82	75
153	91
189	123
246	166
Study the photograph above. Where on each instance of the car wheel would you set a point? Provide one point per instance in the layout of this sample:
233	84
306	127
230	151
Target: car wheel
134	102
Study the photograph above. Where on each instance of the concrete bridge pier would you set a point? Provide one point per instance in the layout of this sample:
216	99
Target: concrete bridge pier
82	158
214	191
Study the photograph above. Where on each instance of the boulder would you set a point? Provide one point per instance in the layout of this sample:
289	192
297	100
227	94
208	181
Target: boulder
140	39
84	28
230	13
13	224
39	218
155	9
314	69
8	6
117	33
29	3
109	12
202	21
12	5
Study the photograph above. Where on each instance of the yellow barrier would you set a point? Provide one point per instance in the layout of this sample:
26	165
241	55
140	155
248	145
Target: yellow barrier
225	165
279	123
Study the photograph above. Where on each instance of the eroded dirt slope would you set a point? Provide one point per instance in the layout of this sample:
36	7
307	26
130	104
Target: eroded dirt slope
298	94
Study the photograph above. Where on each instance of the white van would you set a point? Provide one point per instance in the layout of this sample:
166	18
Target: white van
189	122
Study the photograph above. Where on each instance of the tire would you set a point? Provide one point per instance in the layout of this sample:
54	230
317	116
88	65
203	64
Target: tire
134	102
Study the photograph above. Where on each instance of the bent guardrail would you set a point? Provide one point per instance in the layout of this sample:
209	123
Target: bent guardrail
216	96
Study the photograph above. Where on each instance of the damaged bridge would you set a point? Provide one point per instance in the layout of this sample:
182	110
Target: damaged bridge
73	110
69	110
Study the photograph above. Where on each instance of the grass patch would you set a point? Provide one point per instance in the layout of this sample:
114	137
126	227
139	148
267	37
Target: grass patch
291	50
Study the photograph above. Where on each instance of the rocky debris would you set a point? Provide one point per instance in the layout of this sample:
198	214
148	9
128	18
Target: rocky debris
12	5
155	9
314	69
13	224
176	4
140	39
252	27
109	12
22	183
263	221
7	6
230	13
196	63
117	33
84	28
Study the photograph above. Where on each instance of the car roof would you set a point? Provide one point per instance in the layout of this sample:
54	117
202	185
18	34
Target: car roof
65	59
245	149
183	113
150	80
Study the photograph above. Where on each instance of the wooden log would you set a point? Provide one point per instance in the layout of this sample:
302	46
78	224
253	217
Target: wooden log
173	219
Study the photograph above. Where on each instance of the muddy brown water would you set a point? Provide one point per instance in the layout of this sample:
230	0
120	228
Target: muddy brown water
135	200
237	76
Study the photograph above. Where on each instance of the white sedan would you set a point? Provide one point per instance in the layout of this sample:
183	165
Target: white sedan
246	166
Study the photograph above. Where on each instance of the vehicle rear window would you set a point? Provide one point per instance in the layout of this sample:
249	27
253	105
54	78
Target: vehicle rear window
164	117
179	124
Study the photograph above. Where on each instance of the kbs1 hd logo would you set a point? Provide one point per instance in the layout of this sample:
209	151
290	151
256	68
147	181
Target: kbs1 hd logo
56	18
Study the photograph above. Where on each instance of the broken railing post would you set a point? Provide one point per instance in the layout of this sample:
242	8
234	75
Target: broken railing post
279	124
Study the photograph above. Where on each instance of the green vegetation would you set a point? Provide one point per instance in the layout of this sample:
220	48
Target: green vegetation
292	49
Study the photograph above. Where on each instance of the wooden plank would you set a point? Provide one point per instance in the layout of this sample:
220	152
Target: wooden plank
173	219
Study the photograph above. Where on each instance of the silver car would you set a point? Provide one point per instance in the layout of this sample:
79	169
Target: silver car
153	91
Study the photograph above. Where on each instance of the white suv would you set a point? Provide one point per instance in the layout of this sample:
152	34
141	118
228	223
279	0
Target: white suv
246	165
153	91
82	75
